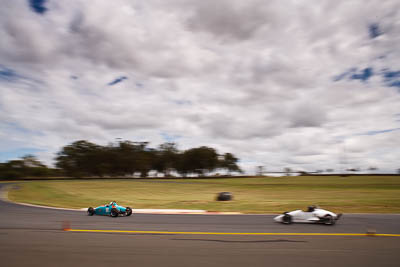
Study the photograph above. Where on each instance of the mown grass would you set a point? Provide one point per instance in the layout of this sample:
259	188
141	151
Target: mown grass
364	194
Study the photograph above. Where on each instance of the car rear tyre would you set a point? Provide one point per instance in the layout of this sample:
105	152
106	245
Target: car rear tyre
90	211
328	220
128	211
287	219
224	196
114	212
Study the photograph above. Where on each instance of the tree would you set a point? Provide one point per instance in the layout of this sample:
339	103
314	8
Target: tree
27	166
166	158
353	169
31	161
304	173
228	162
372	169
124	158
198	160
33	167
145	161
287	171
80	158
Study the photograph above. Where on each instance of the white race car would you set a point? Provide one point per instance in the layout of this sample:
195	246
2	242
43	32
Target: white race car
313	215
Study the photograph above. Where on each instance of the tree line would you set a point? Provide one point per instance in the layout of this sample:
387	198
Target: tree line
27	166
125	158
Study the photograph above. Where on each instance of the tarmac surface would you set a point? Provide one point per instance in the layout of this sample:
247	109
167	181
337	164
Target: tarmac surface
31	236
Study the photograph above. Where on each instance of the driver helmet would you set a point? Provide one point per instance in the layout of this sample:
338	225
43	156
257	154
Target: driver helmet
311	208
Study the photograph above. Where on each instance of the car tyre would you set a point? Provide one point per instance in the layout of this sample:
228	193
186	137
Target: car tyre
287	219
224	196
128	211
328	220
114	212
90	211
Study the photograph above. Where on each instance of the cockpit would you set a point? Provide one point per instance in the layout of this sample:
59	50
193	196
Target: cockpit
310	208
112	203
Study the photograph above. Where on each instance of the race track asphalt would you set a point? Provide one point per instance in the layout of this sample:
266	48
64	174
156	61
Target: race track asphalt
32	236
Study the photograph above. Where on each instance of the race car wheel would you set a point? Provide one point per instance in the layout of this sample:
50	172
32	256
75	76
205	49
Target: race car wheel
114	212
128	211
90	211
224	196
328	220
287	219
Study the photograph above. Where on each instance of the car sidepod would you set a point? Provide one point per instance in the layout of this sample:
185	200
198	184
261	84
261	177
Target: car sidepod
102	210
327	217
122	210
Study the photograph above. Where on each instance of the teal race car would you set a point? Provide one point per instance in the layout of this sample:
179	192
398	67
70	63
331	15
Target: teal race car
111	209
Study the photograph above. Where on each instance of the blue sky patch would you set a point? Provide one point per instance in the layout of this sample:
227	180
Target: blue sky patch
169	138
344	74
395	84
392	78
7	74
380	131
183	102
354	74
17	153
374	30
38	6
391	74
364	75
117	80
15	128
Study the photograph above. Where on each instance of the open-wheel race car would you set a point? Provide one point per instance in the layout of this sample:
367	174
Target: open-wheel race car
111	209
313	214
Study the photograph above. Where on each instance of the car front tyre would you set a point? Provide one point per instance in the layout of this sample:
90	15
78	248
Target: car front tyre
128	211
328	220
287	219
114	212
90	211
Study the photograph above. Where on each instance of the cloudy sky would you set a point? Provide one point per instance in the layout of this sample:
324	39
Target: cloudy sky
302	84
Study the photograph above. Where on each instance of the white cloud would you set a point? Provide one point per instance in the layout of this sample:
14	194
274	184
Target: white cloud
252	77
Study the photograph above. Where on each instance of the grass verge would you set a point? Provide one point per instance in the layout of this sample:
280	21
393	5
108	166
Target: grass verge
364	194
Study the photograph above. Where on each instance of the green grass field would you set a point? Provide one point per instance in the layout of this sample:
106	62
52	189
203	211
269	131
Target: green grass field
364	194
